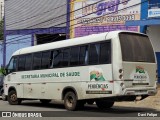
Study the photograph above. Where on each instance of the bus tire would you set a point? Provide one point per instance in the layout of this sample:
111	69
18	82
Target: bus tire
102	104
71	102
45	101
12	98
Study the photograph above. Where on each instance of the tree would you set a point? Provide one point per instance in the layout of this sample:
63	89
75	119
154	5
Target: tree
2	71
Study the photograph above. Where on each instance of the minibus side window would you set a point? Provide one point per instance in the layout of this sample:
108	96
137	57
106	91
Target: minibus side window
105	53
93	54
28	62
58	54
46	60
74	60
66	57
83	55
37	61
21	63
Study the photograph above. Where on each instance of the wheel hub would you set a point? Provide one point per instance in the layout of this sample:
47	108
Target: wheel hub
13	97
70	101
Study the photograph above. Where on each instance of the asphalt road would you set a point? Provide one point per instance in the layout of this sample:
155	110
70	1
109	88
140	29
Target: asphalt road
57	110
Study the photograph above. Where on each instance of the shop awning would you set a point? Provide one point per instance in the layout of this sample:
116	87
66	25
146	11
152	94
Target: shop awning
143	22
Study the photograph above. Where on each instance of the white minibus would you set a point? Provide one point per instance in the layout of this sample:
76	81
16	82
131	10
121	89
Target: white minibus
99	68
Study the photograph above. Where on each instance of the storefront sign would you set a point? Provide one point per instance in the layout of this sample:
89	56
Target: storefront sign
92	17
154	12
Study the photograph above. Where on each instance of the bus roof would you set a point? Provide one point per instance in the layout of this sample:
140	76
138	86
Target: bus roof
69	42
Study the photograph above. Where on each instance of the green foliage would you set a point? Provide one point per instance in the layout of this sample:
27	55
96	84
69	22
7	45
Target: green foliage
1	29
2	71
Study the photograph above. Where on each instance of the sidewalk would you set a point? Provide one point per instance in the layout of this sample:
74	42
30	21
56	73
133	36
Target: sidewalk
150	102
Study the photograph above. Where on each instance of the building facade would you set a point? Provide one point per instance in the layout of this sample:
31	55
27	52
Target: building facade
32	22
95	16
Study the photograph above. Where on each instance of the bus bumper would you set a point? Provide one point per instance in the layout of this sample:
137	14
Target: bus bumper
140	91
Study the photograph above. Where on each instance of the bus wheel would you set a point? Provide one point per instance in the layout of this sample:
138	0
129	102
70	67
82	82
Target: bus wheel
45	101
12	98
70	101
102	104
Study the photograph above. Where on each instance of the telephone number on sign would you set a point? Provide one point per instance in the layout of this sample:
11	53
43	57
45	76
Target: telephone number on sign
119	18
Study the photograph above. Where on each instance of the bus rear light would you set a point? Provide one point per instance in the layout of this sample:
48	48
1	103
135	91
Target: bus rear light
120	76
120	71
121	84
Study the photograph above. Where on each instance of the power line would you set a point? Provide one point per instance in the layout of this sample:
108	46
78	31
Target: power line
107	14
40	14
36	15
64	14
110	13
100	16
60	16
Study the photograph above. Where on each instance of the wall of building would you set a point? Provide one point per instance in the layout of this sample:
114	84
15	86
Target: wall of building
31	14
11	47
26	18
1	54
153	31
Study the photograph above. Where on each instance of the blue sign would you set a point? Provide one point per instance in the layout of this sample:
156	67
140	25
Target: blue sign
154	12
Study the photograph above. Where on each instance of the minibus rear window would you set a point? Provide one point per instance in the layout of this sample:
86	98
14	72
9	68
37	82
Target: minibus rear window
136	48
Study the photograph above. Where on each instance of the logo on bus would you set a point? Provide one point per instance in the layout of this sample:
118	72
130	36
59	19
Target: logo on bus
140	74
97	76
140	69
